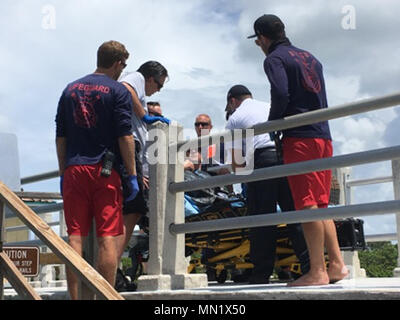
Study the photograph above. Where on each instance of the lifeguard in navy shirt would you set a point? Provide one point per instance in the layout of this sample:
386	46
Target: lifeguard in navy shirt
101	112
297	86
94	119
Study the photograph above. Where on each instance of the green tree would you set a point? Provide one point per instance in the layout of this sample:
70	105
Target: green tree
379	260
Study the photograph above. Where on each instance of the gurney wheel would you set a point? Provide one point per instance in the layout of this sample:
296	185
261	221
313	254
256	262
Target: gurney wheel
223	275
211	274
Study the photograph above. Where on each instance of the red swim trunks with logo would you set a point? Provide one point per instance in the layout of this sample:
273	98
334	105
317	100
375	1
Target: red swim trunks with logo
311	188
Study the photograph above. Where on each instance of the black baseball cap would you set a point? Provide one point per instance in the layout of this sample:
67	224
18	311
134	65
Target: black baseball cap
237	91
268	25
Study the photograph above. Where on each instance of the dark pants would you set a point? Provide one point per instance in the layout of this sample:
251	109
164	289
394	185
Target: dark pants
263	197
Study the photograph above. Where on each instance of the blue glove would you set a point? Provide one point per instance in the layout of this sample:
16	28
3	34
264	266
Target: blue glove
272	136
133	188
61	184
151	119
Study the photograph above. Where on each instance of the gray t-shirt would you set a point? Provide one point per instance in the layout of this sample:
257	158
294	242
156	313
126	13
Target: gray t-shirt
137	82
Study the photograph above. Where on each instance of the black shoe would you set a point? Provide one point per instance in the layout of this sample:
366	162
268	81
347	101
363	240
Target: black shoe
258	279
131	287
121	281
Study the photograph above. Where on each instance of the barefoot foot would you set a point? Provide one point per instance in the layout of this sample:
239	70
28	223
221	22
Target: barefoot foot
337	272
311	279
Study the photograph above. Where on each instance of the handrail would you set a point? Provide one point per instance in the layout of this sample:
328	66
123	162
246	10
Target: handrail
69	256
290	169
363	182
306	118
40	177
368	209
166	198
167	214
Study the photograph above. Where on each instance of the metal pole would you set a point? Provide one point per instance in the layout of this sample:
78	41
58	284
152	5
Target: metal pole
48	208
396	190
364	182
290	169
381	237
369	209
40	177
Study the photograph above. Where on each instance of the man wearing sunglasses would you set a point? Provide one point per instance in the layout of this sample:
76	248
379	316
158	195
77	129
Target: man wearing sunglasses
93	135
147	80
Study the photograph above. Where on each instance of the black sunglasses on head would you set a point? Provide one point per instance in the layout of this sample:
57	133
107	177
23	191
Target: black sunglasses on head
204	124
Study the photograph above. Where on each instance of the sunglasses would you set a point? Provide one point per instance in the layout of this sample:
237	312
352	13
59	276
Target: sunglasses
203	124
159	85
155	114
123	64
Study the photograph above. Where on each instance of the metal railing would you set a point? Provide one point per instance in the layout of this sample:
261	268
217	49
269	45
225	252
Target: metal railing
167	186
166	268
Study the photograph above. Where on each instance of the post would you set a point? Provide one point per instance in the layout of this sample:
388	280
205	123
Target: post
2	237
167	269
174	245
157	152
350	258
347	193
396	190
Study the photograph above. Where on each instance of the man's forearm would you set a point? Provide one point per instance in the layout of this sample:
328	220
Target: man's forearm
127	149
61	146
137	106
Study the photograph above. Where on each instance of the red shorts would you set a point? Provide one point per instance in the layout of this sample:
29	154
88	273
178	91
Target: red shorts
89	195
311	188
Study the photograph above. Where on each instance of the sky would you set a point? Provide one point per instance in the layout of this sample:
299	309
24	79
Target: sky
203	44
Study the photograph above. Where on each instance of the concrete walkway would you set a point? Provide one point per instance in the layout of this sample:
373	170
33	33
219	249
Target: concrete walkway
355	289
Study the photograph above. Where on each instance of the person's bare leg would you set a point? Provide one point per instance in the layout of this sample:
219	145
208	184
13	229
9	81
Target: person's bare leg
314	234
337	269
75	242
130	221
107	258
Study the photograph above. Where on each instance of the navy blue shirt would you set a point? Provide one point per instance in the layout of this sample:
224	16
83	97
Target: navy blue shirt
297	86
93	112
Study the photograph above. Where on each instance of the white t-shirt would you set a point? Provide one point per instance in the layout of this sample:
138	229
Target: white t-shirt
137	82
250	113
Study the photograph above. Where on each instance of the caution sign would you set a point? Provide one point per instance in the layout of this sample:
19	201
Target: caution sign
26	259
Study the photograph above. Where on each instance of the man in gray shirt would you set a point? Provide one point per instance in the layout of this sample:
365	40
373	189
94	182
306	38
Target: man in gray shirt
147	80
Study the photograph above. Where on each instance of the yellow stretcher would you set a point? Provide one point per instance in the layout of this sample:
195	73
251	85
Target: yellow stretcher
222	252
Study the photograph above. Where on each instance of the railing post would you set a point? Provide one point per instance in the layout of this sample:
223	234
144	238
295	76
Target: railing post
155	279
174	244
347	192
167	268
396	190
350	258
